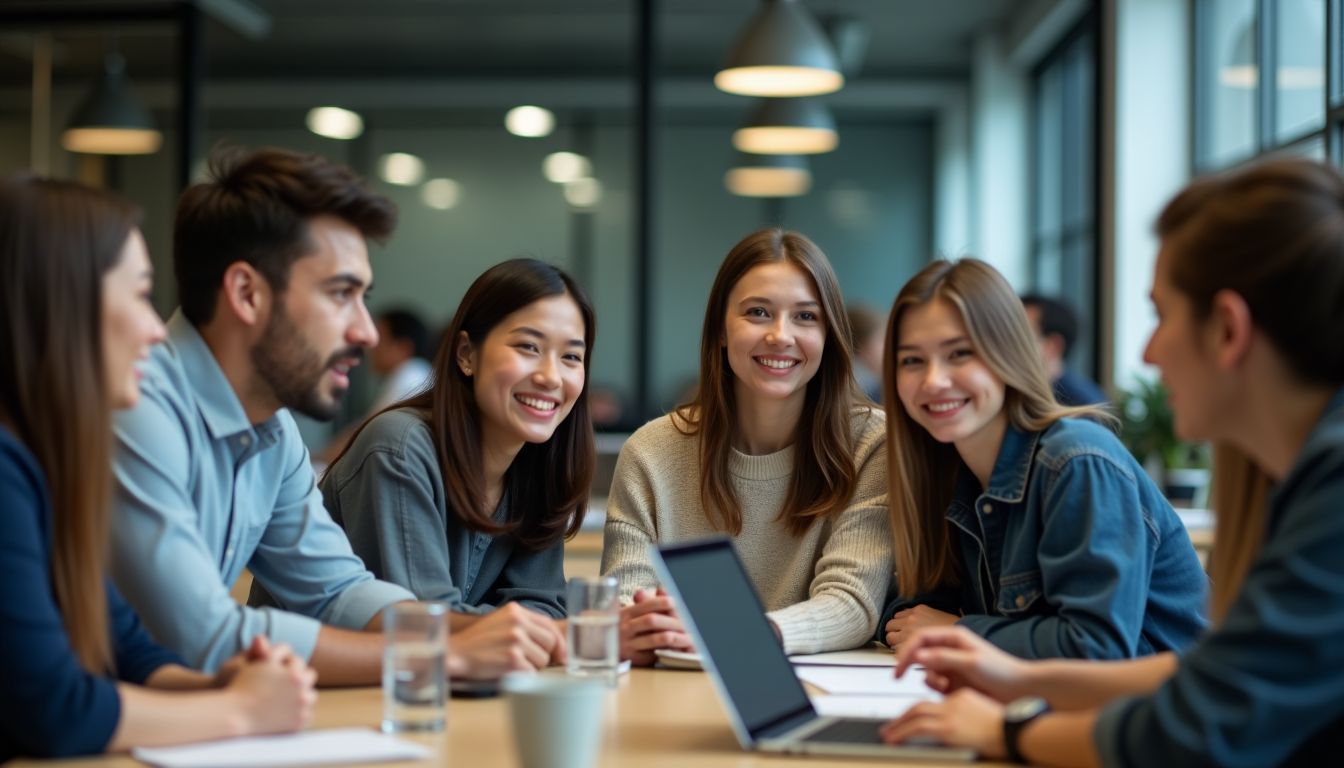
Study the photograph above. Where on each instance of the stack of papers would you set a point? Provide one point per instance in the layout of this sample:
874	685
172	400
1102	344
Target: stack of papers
861	683
326	747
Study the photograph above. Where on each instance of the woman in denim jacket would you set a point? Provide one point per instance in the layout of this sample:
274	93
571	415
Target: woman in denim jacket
1012	516
1249	291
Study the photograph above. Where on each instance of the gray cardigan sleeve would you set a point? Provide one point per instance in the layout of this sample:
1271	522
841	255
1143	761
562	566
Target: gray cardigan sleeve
388	494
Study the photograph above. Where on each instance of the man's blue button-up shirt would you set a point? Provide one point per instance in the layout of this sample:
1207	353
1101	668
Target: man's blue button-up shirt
202	494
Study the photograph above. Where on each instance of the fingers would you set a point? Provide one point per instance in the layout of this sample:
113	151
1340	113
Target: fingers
646	594
654	640
259	649
931	637
646	606
652	622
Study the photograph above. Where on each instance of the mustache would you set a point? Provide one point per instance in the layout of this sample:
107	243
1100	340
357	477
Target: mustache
348	353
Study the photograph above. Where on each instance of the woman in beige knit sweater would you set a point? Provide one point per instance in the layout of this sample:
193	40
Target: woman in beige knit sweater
778	449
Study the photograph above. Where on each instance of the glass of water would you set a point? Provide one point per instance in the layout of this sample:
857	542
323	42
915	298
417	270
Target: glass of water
593	630
415	683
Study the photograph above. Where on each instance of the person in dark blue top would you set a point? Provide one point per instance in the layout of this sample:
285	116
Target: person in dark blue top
1249	291
1025	521
1055	326
77	670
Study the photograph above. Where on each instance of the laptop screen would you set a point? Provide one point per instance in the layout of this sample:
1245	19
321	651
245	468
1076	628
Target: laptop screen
737	638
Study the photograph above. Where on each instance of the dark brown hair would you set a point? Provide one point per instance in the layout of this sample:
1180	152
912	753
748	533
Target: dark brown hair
824	475
57	240
547	483
256	209
923	471
1273	233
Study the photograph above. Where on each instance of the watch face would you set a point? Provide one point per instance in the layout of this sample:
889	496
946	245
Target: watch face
1019	710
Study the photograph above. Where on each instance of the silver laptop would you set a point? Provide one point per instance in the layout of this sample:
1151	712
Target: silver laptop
766	703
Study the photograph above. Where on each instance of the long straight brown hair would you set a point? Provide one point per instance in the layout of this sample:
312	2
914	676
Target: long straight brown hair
922	470
1273	233
57	240
824	475
548	483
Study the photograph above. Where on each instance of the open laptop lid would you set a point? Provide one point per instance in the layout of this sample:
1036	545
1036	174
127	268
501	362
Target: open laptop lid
739	648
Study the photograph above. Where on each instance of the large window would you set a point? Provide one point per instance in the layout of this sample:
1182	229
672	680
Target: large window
1064	198
1242	112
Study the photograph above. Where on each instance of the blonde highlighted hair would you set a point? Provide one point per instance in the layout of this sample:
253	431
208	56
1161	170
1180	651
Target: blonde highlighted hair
923	471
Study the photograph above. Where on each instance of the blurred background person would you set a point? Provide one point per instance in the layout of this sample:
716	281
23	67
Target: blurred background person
868	326
1056	327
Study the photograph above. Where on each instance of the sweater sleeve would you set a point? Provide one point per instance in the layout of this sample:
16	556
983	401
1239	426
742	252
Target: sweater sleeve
630	528
50	706
852	575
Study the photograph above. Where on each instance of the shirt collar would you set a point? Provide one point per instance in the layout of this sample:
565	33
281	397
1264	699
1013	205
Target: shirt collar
1008	480
218	403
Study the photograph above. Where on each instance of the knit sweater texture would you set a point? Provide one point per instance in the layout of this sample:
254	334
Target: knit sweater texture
822	589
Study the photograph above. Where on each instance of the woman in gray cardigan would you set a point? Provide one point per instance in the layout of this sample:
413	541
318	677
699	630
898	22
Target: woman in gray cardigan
465	491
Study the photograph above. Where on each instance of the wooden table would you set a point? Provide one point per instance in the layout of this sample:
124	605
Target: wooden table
655	719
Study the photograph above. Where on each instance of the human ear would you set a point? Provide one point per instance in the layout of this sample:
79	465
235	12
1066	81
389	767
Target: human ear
1231	329
466	354
245	293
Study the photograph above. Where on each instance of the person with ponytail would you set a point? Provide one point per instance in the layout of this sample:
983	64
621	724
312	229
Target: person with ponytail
1249	292
78	673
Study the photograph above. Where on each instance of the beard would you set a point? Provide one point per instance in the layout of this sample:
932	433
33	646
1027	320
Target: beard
293	369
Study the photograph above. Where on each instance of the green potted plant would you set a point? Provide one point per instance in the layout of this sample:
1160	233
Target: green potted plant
1180	468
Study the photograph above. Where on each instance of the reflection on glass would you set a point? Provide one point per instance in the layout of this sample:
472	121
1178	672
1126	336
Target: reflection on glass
1228	102
1300	50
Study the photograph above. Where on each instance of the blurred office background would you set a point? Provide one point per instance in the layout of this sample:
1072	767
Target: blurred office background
1041	135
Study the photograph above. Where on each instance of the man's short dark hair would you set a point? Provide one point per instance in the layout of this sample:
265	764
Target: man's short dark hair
256	208
405	325
1056	318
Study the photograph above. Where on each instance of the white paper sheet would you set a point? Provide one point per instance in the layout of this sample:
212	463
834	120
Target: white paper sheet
867	706
859	657
337	745
864	681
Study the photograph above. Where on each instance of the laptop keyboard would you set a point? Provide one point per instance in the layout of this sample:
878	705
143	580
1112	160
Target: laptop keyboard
849	731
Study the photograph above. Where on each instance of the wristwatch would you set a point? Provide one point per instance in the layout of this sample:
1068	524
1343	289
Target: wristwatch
1016	715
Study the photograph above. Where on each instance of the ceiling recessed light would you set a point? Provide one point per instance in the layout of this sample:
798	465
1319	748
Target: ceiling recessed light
529	121
335	123
563	167
401	168
441	194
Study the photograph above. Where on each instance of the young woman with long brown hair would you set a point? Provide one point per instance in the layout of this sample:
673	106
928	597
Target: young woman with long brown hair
1249	291
78	674
1012	516
778	449
466	491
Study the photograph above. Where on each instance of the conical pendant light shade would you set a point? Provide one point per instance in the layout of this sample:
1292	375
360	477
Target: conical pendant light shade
110	121
787	127
781	52
769	176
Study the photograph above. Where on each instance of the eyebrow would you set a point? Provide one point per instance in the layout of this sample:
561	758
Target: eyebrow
530	331
346	278
948	343
764	300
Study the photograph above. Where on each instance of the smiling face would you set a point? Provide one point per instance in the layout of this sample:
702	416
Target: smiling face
774	333
319	326
944	384
527	373
130	324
